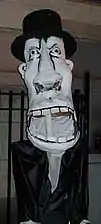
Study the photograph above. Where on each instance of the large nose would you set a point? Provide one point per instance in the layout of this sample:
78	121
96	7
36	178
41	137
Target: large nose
47	78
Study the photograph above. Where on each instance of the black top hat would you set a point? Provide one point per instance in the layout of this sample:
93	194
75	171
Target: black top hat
42	23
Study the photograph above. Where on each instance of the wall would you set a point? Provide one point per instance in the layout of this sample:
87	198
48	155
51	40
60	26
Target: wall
88	57
95	189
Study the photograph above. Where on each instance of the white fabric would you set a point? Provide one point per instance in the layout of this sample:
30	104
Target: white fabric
54	169
48	76
56	148
29	222
85	222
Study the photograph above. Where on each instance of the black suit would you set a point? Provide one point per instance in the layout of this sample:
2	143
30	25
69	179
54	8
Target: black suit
33	188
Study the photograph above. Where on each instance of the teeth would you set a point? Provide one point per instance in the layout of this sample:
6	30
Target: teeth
70	110
45	111
63	109
41	137
52	139
62	139
36	113
55	110
69	138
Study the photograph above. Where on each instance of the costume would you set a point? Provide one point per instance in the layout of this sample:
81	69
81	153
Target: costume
50	168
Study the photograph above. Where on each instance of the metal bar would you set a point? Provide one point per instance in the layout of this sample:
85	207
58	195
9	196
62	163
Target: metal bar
22	116
87	104
14	94
9	158
13	109
81	116
79	105
86	129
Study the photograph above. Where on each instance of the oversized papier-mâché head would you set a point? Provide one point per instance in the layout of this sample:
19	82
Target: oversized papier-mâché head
44	49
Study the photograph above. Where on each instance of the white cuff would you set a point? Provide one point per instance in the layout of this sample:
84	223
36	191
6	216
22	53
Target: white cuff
29	222
85	221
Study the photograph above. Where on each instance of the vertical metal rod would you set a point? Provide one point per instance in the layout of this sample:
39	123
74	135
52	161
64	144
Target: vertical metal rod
81	121
86	129
87	105
22	116
9	158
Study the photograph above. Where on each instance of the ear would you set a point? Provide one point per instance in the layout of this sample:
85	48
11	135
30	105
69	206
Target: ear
70	63
22	68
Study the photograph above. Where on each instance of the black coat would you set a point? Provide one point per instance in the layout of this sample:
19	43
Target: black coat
69	201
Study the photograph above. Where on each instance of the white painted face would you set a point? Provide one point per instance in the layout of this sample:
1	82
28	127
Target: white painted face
52	123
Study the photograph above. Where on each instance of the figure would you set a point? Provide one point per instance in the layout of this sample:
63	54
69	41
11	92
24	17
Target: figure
50	167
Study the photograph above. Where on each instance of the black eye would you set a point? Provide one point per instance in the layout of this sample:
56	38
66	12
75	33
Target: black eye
55	52
33	54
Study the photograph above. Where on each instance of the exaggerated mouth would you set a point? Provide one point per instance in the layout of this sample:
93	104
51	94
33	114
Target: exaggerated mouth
55	124
55	111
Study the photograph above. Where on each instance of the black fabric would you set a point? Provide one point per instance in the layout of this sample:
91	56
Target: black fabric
42	23
35	201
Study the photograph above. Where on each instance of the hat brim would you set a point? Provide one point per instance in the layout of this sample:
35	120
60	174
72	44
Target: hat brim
17	47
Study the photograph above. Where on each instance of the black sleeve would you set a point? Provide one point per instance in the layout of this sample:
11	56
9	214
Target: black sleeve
28	170
79	200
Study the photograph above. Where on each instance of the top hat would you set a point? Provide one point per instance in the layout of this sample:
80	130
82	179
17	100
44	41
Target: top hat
42	23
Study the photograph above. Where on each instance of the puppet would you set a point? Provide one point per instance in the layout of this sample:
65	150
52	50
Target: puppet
49	168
